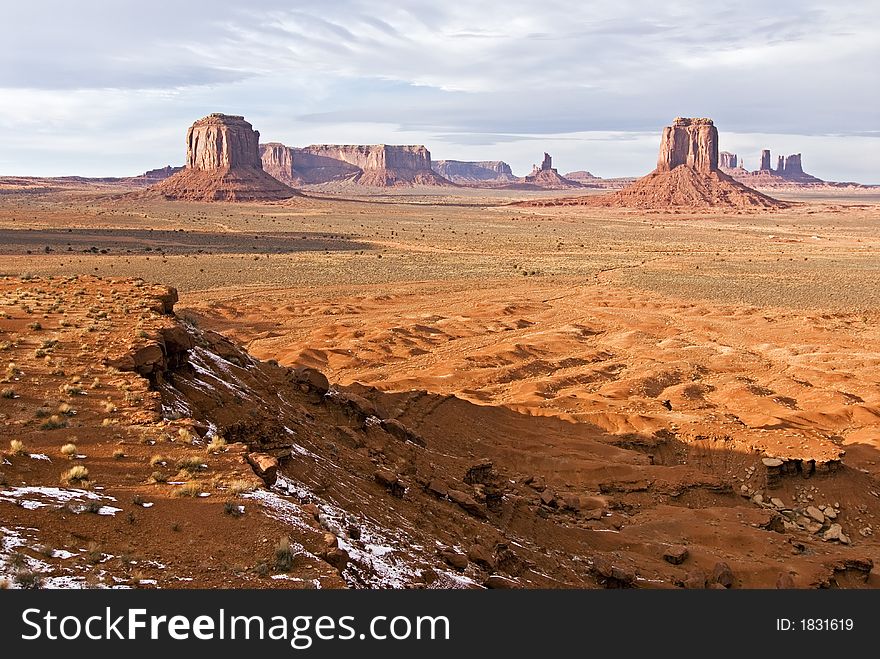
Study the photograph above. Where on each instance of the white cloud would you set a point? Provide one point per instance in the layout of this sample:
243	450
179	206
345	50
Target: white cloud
115	85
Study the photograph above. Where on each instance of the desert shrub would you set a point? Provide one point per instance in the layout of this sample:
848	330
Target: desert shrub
118	454
217	445
42	412
92	507
68	450
53	423
189	489
191	463
159	460
8	392
159	477
231	508
16	447
284	555
36	326
240	487
75	475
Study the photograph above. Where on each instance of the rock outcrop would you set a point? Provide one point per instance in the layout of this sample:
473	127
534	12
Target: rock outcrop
379	165
789	171
222	164
461	171
727	160
547	177
691	142
687	176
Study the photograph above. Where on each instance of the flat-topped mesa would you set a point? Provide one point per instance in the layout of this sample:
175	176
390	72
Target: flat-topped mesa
222	141
367	164
222	164
690	142
727	160
463	171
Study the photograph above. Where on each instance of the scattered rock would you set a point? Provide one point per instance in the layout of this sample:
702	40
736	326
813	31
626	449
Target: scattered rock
722	574
265	466
480	473
456	559
389	480
481	557
676	554
312	378
466	502
833	533
438	488
396	429
496	581
696	579
815	513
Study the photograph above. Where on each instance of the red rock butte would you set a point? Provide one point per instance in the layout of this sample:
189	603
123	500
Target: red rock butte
222	164
687	177
378	165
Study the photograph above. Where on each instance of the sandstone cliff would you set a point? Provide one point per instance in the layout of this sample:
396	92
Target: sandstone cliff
222	164
687	176
380	165
727	160
691	142
459	171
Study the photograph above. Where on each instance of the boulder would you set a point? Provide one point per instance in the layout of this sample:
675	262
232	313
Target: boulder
456	559
466	502
396	429
312	378
264	466
675	554
722	574
480	556
496	581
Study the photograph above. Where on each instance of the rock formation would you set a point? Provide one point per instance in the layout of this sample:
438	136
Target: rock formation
687	176
792	167
380	165
547	177
161	173
691	142
460	171
222	164
727	160
789	171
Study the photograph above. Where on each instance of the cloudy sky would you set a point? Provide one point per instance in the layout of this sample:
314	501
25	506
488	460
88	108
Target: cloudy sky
109	87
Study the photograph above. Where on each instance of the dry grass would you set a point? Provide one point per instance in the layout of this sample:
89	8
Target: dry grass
77	475
189	489
69	450
191	463
16	447
237	487
217	445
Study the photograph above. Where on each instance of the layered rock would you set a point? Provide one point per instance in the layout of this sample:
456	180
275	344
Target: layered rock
691	142
380	165
792	167
687	176
222	164
546	176
789	171
461	171
727	160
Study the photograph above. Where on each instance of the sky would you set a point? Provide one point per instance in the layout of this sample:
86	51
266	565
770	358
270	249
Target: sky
108	88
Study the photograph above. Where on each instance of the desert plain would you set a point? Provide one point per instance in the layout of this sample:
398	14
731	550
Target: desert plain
515	396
